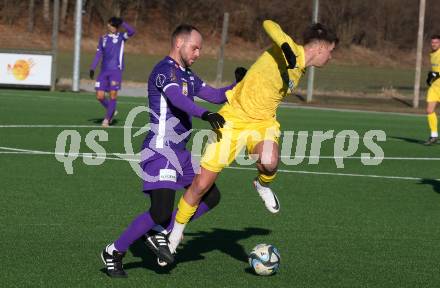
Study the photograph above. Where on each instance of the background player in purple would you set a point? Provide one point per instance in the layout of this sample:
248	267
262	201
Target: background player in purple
165	161
111	50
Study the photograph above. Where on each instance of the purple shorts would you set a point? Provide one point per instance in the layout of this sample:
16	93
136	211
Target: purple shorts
109	81
160	171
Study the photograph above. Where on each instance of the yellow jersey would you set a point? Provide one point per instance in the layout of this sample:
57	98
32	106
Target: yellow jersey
435	61
268	80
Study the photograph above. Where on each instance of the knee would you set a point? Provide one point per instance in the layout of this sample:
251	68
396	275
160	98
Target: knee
100	96
113	95
200	186
429	110
270	167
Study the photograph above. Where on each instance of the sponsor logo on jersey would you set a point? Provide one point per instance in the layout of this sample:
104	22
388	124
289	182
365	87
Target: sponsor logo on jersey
185	88
173	75
167	175
160	80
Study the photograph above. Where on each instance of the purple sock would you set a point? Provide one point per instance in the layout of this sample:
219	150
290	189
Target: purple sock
202	209
110	109
137	228
104	102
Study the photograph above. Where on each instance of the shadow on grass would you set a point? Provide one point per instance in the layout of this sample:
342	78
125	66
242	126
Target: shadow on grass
99	121
223	240
434	183
409	140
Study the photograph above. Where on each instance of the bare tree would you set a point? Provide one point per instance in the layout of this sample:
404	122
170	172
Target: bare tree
31	15
63	16
46	8
137	9
11	10
90	13
374	23
116	8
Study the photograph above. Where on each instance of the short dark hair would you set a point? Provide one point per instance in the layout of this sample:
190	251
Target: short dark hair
318	32
435	36
182	29
115	21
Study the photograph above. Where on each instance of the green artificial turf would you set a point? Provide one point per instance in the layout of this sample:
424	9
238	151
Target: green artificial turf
357	226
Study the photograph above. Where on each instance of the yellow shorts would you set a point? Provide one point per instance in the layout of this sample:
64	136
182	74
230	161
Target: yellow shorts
434	92
236	134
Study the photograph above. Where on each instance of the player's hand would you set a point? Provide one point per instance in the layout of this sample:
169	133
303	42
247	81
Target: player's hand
91	74
240	72
290	56
432	76
216	120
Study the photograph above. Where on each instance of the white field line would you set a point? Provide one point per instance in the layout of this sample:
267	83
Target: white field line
126	158
285	105
199	155
25	126
24	151
61	98
288	105
66	126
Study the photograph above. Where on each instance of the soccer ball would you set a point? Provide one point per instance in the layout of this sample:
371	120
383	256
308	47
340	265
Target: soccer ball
264	259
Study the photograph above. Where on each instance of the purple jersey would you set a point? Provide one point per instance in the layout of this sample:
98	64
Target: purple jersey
167	121
171	89
111	48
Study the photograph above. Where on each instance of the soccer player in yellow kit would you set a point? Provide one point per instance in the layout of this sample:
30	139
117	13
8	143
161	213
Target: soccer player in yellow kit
433	96
250	116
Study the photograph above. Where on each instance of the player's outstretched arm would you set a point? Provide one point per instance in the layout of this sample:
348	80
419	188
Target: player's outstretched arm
274	31
218	95
129	30
282	40
214	95
174	94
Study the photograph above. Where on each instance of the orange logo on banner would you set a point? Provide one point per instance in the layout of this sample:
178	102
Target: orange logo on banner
21	68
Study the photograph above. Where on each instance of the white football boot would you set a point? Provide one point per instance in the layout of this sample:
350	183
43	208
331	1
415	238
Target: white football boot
269	198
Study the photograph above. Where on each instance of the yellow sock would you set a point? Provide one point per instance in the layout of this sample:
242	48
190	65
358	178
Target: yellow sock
184	211
265	179
432	121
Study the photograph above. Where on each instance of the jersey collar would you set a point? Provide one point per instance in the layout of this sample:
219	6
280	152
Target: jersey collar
171	60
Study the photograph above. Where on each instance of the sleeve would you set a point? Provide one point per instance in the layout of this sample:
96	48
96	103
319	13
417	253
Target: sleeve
174	94
214	95
98	55
129	31
274	31
168	85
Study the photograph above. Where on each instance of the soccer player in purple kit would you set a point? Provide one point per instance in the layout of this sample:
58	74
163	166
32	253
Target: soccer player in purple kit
172	87
111	49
